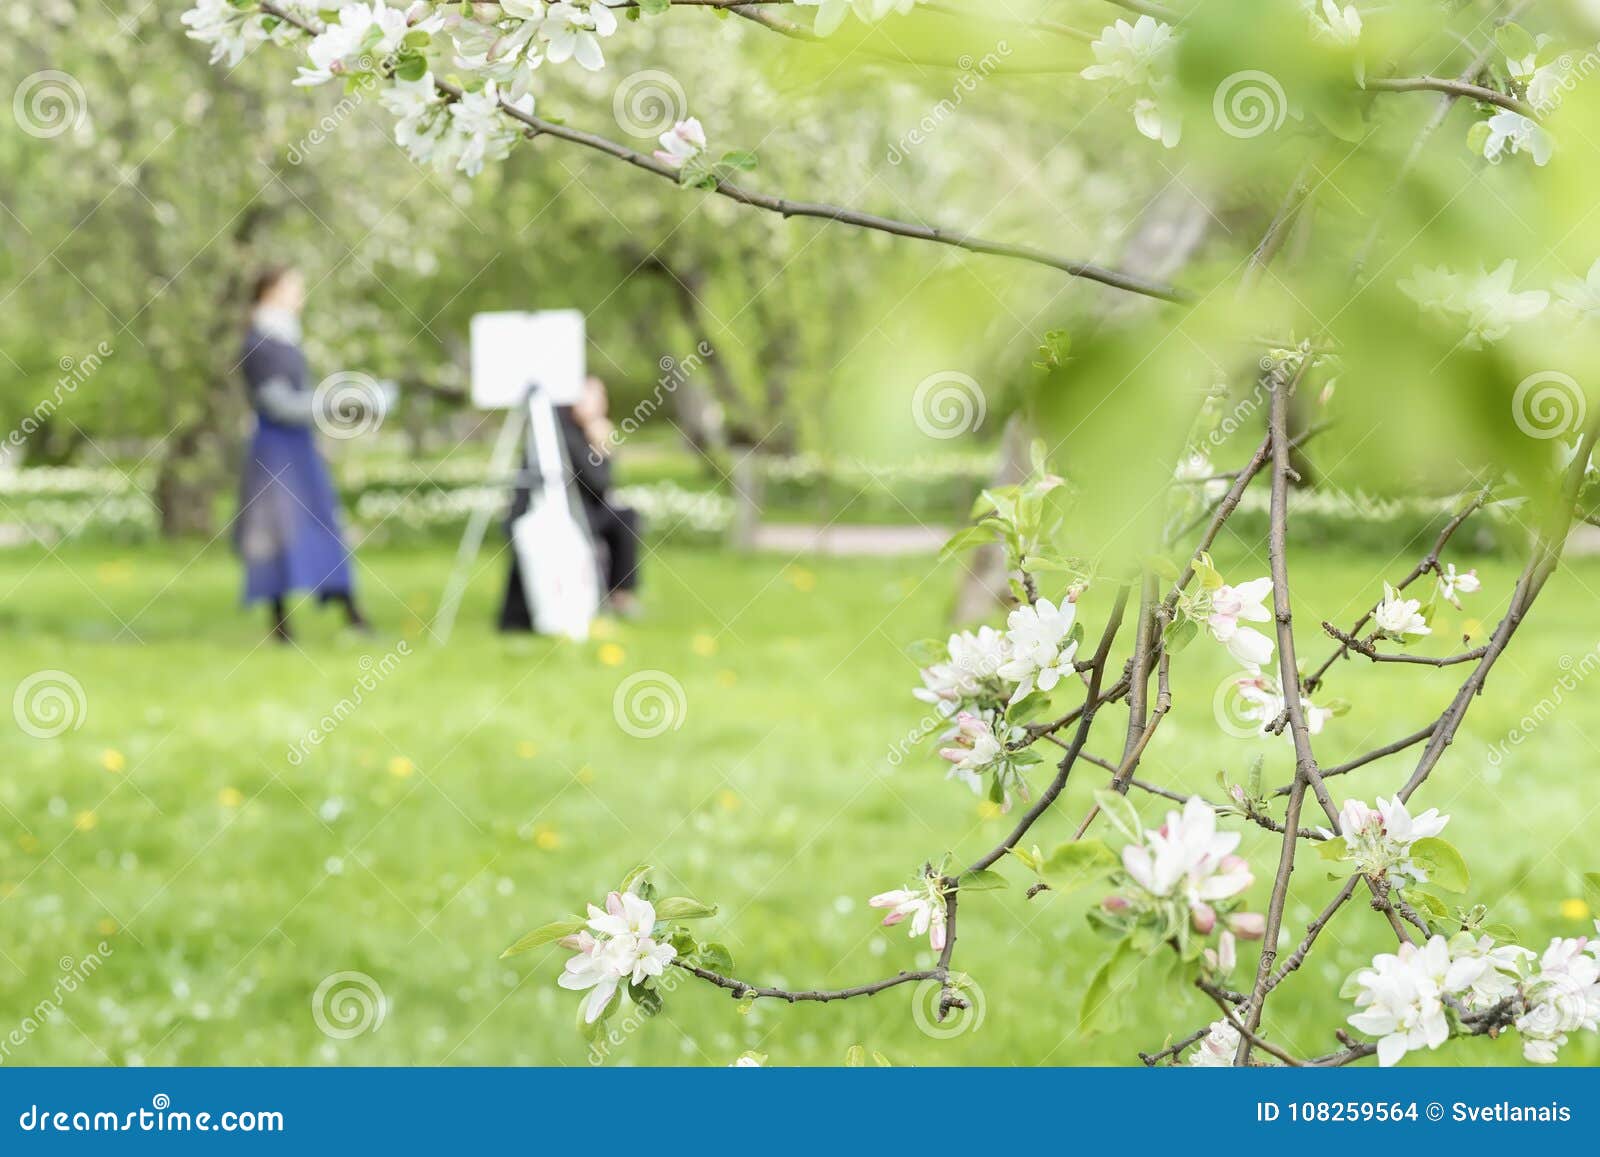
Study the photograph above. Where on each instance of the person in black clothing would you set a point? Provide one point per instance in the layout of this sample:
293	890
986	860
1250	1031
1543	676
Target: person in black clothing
586	436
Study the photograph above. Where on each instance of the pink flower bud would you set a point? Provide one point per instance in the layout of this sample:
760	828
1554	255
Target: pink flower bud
1237	793
1248	925
1203	917
1115	904
1227	952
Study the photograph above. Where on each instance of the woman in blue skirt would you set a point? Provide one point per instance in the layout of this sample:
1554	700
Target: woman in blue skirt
288	529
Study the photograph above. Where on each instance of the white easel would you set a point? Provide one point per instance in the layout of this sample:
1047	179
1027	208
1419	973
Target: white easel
560	582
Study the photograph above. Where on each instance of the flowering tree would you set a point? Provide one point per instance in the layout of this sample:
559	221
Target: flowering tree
1110	559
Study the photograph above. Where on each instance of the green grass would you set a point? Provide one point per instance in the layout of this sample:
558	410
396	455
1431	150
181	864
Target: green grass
228	882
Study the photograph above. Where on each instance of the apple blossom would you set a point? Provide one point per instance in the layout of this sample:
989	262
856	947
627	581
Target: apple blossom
573	30
1581	295
363	35
682	143
1188	860
1379	839
925	906
1041	646
1453	584
1265	703
617	946
1227	606
1340	27
1484	301
1400	618
1510	132
971	673
976	747
1401	999
1139	57
1217	1048
1561	998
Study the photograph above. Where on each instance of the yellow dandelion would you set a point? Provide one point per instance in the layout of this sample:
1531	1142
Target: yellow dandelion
7	890
729	800
113	760
802	579
603	628
1573	908
546	839
703	645
28	843
527	750
585	774
230	797
726	678
85	821
106	926
400	767
988	810
611	655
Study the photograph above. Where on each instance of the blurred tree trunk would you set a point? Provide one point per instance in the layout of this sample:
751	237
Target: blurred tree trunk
1164	238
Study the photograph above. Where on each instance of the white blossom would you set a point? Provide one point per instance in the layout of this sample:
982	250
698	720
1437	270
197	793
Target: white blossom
573	31
925	906
1041	647
831	13
1453	584
1340	27
682	143
1511	132
1400	618
1265	702
1217	1048
1138	58
1484	301
980	745
1189	860
1562	997
1582	294
975	660
1379	838
363	35
1228	605
1401	999
617	946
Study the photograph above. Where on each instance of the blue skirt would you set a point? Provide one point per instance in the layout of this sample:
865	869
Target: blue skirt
287	531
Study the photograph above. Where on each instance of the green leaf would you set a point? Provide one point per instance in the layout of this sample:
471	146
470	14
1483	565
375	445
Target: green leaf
966	538
1102	1009
1180	632
648	999
683	908
1445	866
742	159
547	934
1120	812
983	880
1031	860
411	66
654	7
1515	41
634	877
1430	905
1334	849
1078	864
716	957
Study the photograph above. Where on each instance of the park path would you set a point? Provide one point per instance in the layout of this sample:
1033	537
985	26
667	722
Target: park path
882	541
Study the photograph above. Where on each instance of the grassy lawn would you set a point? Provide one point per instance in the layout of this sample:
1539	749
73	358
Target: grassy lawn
484	788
